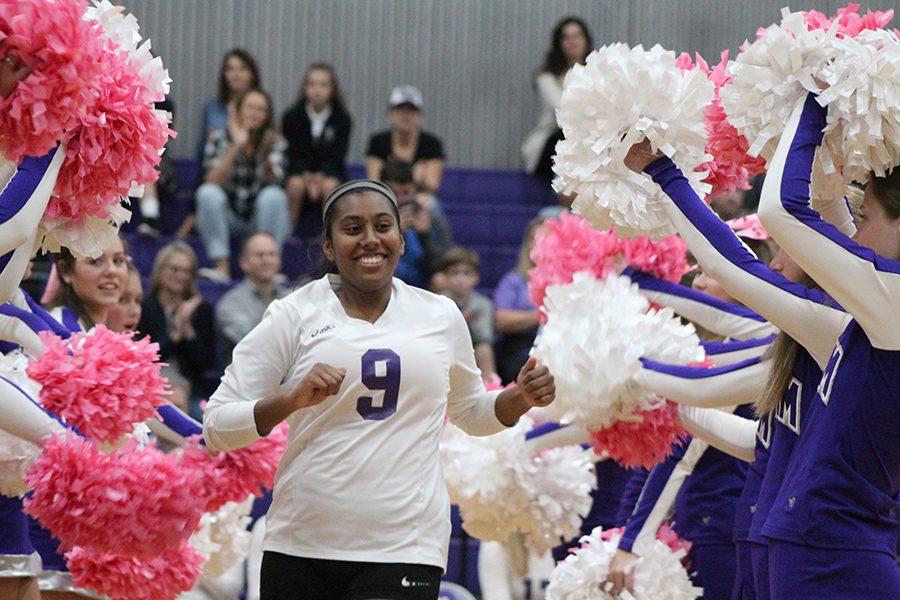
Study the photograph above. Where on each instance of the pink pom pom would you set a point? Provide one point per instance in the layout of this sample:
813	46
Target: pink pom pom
134	502
665	259
101	382
670	538
566	246
642	442
63	53
115	145
232	476
731	167
850	22
569	245
119	577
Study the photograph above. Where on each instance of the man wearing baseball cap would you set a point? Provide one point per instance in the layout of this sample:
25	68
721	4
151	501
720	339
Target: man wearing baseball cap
407	142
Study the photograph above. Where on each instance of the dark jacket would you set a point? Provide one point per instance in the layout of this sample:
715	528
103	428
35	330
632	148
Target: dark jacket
325	155
193	358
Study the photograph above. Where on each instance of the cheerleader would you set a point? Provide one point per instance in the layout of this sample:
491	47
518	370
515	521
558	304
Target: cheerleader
804	313
364	368
831	529
702	483
88	288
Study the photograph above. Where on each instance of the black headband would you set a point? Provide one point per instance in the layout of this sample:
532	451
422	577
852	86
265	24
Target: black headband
355	186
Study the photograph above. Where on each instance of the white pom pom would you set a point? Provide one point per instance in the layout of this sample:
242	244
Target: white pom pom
861	80
85	238
561	480
863	130
123	31
501	489
223	537
620	96
596	332
658	574
769	76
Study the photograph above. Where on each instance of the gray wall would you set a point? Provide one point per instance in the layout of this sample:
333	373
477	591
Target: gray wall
472	60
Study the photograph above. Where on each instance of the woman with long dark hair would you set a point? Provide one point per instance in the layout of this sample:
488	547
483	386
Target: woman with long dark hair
570	45
238	74
317	129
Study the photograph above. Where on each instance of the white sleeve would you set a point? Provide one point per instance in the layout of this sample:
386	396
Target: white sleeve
725	318
740	383
549	90
260	363
725	431
469	406
865	284
22	417
806	314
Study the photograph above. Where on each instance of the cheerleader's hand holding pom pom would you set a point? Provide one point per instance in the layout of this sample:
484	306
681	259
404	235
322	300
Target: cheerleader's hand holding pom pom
621	572
640	155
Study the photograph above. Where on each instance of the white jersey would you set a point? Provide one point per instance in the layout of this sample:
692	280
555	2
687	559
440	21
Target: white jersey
361	478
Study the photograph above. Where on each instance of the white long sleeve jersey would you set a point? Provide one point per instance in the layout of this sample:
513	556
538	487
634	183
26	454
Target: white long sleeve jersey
361	478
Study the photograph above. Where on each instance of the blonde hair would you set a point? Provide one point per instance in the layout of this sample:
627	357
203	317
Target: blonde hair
524	262
162	260
782	355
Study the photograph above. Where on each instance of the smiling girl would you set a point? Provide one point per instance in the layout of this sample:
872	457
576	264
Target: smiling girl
360	509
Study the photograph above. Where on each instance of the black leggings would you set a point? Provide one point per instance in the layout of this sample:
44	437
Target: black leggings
286	577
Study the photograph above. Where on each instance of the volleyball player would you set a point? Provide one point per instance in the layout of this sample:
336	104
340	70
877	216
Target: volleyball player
364	368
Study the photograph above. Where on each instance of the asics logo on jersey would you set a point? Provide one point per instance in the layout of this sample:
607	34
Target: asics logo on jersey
323	329
407	583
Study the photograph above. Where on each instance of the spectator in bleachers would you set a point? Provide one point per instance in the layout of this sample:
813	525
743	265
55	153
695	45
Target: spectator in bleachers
317	129
460	269
161	191
238	74
406	141
515	316
570	45
242	308
87	289
244	171
728	205
176	317
126	314
425	232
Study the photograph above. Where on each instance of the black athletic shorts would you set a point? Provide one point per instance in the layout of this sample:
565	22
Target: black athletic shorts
286	577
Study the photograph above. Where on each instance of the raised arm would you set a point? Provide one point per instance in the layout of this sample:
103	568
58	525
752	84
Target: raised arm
173	425
725	318
865	284
740	383
805	314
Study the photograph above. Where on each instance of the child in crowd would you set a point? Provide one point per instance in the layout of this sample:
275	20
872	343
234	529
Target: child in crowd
460	269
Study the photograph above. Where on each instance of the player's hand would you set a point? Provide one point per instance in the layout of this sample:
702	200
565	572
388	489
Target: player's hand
621	572
321	382
535	383
640	155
